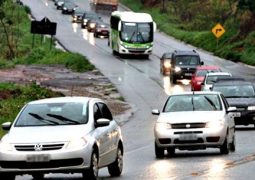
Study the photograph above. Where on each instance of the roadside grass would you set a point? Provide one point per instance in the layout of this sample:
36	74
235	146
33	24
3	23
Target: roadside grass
228	46
34	49
13	97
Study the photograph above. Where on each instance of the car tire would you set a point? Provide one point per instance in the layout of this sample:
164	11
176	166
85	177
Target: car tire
159	151
38	176
171	151
173	79
7	176
92	172
233	144
116	167
224	148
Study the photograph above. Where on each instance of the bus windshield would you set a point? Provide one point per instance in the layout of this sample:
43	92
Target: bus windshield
137	32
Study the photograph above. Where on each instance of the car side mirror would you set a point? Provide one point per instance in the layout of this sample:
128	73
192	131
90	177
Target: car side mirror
119	26
202	83
202	63
154	26
6	126
155	112
102	122
231	109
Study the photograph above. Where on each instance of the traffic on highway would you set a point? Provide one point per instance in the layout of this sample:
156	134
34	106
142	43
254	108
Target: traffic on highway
193	113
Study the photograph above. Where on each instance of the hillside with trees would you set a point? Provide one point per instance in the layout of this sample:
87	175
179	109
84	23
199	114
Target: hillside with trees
192	21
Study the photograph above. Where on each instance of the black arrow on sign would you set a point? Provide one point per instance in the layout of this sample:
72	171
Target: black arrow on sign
218	30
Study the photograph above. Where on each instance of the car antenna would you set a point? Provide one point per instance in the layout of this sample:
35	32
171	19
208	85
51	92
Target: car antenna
192	101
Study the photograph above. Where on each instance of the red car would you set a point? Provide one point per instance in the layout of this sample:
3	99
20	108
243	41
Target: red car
199	75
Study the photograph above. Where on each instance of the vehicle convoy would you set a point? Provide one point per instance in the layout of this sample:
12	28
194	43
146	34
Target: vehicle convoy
109	5
199	75
183	64
240	94
131	33
211	78
62	135
194	120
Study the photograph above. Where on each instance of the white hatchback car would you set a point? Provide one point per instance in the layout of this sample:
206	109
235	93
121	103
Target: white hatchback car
194	120
62	135
212	77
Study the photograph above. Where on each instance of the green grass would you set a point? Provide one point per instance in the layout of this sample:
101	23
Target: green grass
229	46
13	97
40	52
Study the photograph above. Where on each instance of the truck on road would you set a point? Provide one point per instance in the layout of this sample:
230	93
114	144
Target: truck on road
105	5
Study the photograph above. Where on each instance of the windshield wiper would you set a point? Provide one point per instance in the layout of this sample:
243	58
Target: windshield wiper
140	34
38	117
62	118
132	36
210	102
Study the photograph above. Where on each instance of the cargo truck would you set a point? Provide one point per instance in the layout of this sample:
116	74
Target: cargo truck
106	5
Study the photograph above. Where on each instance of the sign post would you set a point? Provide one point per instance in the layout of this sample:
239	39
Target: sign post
45	26
218	31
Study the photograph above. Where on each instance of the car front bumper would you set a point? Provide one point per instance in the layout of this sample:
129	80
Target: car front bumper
246	117
62	160
188	138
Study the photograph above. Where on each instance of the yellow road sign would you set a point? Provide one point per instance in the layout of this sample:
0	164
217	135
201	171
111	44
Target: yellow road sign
218	30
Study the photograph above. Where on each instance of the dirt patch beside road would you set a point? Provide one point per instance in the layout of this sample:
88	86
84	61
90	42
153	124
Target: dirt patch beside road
60	79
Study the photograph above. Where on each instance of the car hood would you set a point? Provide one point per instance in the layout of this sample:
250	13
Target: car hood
241	102
46	133
190	116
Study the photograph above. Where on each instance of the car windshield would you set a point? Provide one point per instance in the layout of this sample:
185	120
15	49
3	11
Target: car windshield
236	90
53	114
137	32
187	60
196	102
213	78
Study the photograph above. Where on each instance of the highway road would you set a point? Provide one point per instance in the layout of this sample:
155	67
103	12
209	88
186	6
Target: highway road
141	84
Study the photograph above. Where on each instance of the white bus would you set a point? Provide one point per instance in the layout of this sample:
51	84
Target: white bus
131	33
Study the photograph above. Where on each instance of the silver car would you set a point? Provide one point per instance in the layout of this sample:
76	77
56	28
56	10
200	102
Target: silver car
62	135
194	120
212	77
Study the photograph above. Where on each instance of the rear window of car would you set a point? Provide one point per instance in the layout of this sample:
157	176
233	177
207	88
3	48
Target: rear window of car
187	60
45	114
196	102
236	90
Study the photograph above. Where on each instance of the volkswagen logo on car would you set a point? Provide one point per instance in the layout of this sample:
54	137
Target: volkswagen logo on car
38	147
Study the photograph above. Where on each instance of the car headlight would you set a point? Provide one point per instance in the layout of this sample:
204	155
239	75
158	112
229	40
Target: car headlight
64	8
167	64
251	108
92	25
77	143
214	124
177	69
85	20
162	126
5	146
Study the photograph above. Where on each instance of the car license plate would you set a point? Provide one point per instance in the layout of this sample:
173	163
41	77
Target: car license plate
38	158
188	74
188	137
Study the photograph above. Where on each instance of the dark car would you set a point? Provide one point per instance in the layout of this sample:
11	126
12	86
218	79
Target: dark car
77	15
240	94
59	4
86	17
68	8
183	64
91	24
101	30
165	63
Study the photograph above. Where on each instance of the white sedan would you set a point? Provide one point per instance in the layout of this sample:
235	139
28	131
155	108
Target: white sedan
194	120
62	135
